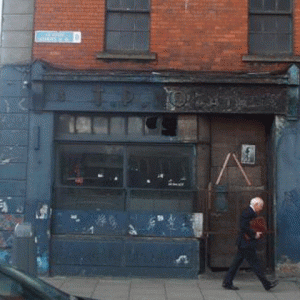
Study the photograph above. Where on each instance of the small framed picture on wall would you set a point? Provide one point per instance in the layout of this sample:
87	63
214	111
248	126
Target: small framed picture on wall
248	154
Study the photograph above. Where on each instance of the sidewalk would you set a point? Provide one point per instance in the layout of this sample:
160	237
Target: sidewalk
207	287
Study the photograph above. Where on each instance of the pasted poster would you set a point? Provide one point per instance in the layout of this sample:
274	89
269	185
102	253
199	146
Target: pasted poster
248	154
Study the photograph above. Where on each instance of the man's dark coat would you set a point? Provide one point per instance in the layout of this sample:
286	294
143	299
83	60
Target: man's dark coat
247	215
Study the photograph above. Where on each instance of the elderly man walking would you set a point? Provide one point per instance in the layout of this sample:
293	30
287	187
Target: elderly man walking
246	242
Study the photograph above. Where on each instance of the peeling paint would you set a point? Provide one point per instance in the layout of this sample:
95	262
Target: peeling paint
6	161
132	231
42	212
182	259
160	218
197	223
8	222
3	206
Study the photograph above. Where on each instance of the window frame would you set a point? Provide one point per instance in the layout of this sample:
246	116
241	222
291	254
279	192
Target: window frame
276	12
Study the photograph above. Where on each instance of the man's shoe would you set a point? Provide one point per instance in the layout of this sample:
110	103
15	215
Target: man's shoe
230	287
272	285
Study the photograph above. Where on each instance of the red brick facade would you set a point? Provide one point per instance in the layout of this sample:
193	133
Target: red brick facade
188	35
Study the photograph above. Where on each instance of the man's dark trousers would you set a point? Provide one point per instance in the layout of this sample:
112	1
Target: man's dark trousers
250	255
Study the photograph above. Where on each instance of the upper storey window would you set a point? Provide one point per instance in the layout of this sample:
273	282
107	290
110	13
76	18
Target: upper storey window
127	25
270	27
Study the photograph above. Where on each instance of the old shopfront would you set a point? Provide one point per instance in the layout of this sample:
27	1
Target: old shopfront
150	171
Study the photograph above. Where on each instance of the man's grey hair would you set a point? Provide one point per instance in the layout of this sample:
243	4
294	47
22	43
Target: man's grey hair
256	200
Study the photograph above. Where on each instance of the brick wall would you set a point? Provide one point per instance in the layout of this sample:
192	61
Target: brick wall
192	35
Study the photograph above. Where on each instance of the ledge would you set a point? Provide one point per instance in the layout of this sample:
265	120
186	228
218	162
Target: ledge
270	58
126	56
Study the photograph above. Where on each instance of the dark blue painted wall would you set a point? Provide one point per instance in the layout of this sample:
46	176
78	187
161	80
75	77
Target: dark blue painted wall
14	122
288	194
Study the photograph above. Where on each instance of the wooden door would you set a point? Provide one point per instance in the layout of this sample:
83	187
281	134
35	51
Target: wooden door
234	190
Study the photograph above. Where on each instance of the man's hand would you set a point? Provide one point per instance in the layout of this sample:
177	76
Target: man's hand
258	235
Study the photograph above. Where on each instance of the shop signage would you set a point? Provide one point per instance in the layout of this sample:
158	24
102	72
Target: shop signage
58	37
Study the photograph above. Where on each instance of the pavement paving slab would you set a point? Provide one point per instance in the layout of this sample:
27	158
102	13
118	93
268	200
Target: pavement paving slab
207	287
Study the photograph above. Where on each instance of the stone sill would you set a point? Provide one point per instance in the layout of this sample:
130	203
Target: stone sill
270	58
126	56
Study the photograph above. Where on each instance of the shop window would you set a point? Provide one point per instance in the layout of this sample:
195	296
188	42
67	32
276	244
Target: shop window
270	27
125	177
127	25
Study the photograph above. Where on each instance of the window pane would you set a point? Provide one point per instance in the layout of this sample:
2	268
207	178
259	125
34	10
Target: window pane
256	4
269	5
153	167
256	43
66	124
141	22
269	23
142	4
127	22
126	41
269	43
117	125
284	24
83	125
141	41
135	126
100	125
113	41
127	4
284	5
256	24
113	4
92	166
113	21
284	43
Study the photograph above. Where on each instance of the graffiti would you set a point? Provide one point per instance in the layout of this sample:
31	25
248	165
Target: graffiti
151	223
113	223
182	259
171	223
21	104
91	230
101	221
132	231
